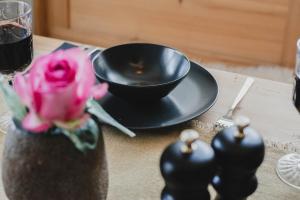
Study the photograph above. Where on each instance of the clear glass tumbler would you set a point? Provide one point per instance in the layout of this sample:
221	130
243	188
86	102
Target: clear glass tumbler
15	36
16	49
288	166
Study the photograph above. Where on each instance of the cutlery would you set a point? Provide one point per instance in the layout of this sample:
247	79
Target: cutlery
227	120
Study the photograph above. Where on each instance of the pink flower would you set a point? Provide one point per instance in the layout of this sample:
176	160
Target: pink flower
57	88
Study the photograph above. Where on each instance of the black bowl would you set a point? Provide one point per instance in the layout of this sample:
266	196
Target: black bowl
141	72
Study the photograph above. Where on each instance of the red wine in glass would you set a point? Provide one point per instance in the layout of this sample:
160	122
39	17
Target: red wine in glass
296	97
15	48
15	44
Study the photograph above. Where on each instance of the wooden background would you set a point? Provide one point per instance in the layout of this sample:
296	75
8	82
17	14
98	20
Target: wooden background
247	32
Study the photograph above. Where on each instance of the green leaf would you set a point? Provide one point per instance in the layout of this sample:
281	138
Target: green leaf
12	100
77	136
97	110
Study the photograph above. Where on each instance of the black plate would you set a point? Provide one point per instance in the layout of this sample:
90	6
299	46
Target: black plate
191	98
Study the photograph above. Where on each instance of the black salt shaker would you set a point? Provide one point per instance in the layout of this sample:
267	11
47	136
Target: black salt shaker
187	166
239	152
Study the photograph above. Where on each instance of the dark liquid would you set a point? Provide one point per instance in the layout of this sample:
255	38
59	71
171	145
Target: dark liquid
297	94
15	48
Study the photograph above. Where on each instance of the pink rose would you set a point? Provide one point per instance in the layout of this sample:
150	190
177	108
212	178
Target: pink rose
57	88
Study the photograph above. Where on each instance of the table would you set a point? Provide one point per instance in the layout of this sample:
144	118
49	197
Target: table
133	162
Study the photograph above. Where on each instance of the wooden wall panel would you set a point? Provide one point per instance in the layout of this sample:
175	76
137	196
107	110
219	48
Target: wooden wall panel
215	27
58	12
49	15
40	17
242	32
292	34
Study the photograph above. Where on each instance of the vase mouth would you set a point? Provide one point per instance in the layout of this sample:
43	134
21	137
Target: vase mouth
50	132
18	125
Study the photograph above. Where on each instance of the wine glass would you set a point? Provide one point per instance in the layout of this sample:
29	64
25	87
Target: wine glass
288	166
16	49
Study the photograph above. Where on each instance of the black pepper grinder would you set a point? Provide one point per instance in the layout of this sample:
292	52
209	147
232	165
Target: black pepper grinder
187	166
239	152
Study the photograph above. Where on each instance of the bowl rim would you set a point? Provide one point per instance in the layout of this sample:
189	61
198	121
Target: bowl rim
143	86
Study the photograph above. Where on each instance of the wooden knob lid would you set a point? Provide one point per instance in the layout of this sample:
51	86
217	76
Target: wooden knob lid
241	122
189	137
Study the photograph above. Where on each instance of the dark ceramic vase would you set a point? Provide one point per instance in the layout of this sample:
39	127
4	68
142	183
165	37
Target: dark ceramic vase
48	167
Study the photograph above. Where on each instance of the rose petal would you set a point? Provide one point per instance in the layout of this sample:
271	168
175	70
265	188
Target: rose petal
61	73
56	105
36	73
21	87
85	75
60	84
34	124
99	90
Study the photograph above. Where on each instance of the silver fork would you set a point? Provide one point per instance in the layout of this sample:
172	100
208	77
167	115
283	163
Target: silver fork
227	120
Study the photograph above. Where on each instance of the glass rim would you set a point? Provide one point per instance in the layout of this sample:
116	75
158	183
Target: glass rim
297	66
21	15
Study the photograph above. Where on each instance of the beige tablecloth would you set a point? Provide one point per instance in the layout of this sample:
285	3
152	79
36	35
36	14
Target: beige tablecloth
134	162
134	165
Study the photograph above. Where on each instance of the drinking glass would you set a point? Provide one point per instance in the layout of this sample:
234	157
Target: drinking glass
288	166
15	42
15	36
